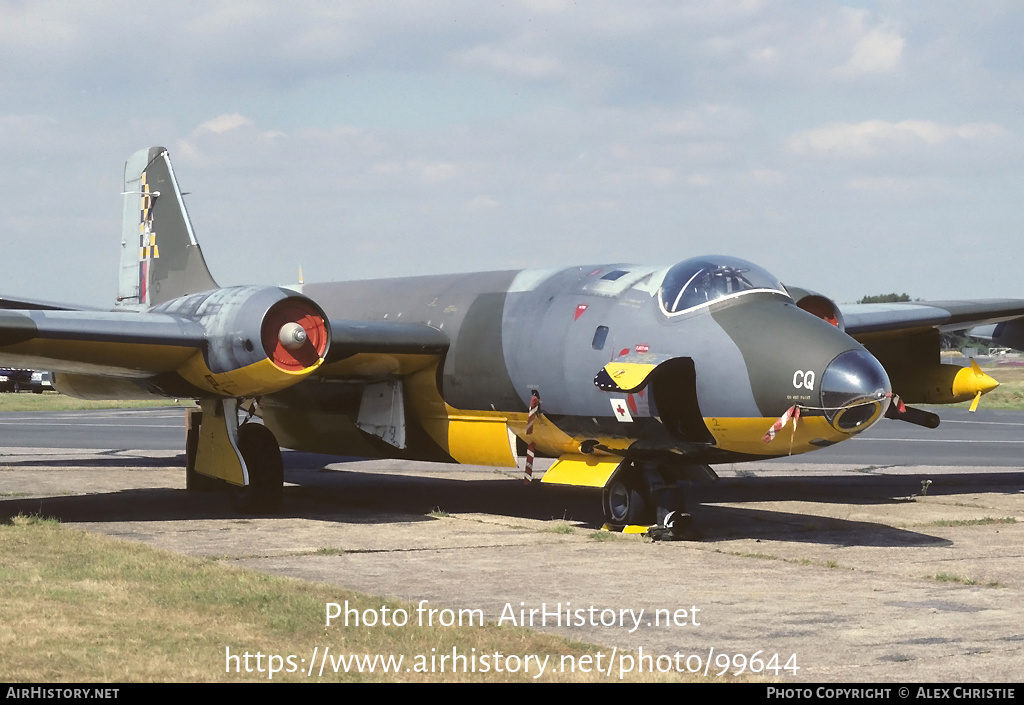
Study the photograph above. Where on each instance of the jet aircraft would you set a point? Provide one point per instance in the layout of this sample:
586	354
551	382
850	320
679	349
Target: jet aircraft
635	378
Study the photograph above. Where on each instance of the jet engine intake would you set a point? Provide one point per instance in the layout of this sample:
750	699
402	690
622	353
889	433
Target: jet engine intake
258	339
818	305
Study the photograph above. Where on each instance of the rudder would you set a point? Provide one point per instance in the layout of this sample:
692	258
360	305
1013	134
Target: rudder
160	257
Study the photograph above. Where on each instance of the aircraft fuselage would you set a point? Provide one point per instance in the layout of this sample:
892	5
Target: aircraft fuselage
715	375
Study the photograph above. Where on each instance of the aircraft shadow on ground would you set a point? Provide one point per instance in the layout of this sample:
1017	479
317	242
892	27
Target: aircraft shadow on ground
727	523
351	496
100	461
862	489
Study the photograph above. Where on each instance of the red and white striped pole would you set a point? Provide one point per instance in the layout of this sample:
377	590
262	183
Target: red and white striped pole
531	446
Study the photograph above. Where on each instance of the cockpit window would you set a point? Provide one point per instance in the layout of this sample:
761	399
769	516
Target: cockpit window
699	281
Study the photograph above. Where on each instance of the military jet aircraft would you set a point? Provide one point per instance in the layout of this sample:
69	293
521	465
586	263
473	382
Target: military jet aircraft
635	378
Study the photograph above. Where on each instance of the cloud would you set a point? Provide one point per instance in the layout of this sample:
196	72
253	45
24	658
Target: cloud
903	186
765	178
426	172
703	120
482	204
878	51
874	137
208	138
224	123
21	133
516	64
341	123
28	25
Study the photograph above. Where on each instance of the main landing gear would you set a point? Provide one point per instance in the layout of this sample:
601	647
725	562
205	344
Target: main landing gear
257	448
648	494
262	458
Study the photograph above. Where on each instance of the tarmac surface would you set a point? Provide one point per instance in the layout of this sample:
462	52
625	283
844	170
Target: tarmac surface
845	569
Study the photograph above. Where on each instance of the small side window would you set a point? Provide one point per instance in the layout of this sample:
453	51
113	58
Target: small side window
600	335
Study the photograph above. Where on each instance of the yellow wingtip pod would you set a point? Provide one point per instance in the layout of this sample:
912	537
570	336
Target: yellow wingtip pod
971	383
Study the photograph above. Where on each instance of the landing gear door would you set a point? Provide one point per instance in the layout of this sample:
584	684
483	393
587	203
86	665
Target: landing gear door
674	387
217	453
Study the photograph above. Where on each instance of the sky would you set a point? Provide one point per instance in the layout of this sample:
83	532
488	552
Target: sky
849	148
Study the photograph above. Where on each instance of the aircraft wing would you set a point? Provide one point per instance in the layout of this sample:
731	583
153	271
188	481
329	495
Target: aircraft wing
94	342
10	302
136	345
904	338
870	321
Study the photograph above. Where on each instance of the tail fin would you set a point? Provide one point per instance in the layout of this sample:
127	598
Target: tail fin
160	258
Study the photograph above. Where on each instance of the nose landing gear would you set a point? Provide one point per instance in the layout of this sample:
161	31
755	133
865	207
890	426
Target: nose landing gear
625	502
646	494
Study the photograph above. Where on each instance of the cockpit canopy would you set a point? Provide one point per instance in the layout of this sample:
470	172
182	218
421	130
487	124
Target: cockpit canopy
702	280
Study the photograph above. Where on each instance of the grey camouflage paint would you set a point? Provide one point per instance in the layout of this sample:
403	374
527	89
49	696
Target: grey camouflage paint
515	332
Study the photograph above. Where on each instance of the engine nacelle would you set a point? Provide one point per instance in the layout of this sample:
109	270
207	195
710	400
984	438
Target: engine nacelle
1008	334
258	339
818	305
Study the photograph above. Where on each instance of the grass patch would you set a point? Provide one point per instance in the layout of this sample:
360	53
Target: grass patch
84	608
831	563
561	529
985	521
603	535
33	520
952	578
52	401
438	513
328	551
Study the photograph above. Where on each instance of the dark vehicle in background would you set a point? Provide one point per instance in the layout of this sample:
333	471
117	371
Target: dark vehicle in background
13	380
41	381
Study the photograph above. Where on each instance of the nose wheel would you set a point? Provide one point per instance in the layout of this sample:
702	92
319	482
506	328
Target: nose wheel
648	495
624	502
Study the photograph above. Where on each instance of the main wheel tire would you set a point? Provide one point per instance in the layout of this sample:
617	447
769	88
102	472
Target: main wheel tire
262	456
624	504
